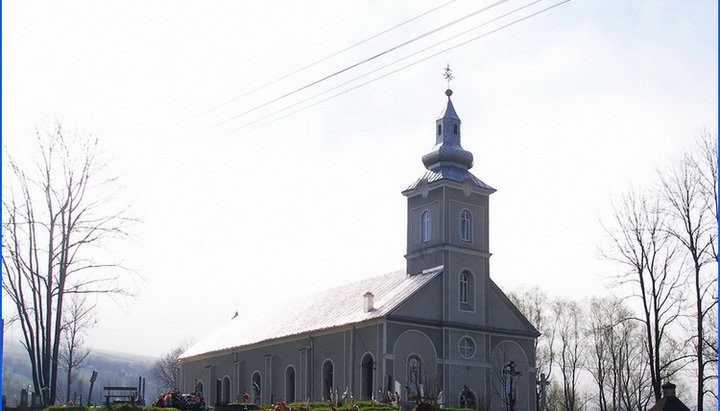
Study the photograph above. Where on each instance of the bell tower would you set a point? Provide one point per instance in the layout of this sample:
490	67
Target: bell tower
447	220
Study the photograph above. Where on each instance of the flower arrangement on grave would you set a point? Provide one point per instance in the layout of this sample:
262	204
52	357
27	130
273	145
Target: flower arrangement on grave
388	397
174	399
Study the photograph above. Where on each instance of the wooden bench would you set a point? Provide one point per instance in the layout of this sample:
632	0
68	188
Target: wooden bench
128	393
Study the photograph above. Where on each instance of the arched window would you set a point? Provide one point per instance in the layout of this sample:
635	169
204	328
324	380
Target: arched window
465	226
199	386
439	129
367	364
425	226
225	397
257	387
455	129
327	372
414	373
290	384
465	291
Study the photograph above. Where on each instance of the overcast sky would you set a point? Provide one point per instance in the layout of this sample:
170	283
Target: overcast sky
563	112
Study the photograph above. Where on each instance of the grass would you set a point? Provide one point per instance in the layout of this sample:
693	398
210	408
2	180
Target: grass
121	407
313	406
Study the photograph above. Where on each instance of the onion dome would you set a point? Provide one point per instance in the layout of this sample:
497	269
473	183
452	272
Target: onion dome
447	150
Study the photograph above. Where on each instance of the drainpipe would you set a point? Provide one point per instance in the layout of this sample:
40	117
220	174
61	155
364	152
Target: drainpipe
311	361
352	359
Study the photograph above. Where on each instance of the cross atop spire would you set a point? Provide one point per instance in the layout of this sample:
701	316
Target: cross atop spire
449	77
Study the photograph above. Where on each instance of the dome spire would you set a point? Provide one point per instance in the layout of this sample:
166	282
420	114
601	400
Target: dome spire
447	150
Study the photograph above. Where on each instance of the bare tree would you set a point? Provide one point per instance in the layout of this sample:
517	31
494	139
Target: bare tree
615	358
78	318
600	356
641	244
54	217
165	370
689	192
534	305
569	320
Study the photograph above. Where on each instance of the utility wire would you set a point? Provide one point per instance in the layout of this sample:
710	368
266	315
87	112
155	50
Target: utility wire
329	76
386	65
409	65
326	58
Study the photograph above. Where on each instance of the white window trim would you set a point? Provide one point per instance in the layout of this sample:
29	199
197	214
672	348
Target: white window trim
425	226
474	346
466	235
464	288
469	305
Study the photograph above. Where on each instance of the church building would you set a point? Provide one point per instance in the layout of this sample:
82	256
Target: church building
439	325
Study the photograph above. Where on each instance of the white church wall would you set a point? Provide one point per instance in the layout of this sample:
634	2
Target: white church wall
415	343
474	312
504	314
425	304
519	351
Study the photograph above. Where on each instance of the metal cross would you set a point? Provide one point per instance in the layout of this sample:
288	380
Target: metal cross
448	74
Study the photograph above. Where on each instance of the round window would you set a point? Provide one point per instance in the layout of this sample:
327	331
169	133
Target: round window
467	347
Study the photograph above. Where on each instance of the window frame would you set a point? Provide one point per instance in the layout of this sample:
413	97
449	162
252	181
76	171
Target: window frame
466	226
462	350
466	290
425	226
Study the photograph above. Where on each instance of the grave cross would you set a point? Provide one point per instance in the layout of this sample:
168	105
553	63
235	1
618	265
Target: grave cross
543	383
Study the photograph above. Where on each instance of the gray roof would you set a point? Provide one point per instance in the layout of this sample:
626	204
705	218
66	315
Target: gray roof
669	403
451	173
449	111
326	309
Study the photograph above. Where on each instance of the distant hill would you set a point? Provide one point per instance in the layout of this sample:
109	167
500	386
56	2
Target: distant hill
114	368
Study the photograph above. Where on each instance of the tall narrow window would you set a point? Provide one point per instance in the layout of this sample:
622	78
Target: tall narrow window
425	226
218	392
439	129
225	397
465	226
464	288
455	129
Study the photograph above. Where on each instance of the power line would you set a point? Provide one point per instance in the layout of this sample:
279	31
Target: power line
329	76
409	65
387	65
326	58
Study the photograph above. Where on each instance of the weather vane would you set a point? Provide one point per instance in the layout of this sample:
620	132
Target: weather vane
448	74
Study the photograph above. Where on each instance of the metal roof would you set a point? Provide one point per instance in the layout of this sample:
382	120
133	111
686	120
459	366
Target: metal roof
451	173
343	305
449	111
